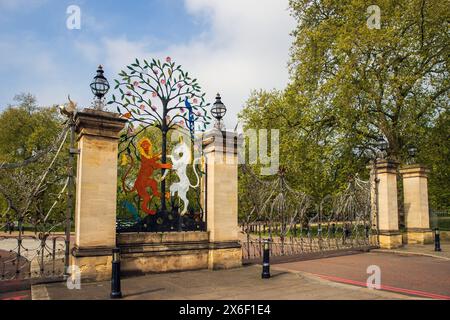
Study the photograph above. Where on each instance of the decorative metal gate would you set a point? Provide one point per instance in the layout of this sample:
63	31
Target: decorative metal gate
300	228
35	227
160	100
139	201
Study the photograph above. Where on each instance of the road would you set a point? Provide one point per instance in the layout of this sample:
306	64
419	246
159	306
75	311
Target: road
419	276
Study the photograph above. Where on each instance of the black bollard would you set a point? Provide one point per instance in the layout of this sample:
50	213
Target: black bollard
367	229
266	260
437	240
116	293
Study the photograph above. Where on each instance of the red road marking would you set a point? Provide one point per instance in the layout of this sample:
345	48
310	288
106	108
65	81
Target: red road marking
16	295
384	287
16	298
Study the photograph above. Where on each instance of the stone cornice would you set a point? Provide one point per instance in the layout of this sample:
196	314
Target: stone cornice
413	171
387	166
92	251
221	141
99	123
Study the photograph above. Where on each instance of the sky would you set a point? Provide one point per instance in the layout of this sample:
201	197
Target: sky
231	47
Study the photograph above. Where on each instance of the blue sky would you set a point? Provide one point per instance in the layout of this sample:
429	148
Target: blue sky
230	46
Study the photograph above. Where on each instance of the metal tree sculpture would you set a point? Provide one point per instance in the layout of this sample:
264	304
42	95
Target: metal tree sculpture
159	95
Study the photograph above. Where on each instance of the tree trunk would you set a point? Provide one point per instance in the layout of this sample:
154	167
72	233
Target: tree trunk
163	160
164	156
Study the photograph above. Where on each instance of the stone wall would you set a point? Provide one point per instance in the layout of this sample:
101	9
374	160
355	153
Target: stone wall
171	251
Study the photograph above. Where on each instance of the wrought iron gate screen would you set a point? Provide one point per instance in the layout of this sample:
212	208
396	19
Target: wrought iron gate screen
297	225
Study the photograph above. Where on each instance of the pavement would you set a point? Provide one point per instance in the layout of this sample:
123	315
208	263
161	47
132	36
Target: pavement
421	250
242	284
411	272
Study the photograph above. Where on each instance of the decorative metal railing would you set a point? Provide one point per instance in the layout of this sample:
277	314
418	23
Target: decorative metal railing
35	238
296	224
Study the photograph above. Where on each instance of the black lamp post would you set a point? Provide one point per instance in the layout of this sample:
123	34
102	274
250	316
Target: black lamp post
99	87
218	111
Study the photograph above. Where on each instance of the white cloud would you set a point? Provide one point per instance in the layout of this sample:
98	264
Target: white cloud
244	45
245	48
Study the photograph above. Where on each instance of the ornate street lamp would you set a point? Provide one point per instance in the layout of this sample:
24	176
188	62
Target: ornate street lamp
383	146
412	151
99	88
218	111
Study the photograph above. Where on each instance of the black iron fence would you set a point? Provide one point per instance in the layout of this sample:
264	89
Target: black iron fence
440	219
300	240
297	224
35	238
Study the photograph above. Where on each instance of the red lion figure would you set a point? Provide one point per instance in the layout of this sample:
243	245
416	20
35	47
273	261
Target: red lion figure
144	178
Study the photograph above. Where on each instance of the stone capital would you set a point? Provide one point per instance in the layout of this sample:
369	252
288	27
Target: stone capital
414	171
226	142
99	123
386	166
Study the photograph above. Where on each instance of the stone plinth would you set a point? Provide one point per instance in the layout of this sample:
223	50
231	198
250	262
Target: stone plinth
163	252
415	191
220	149
96	189
389	235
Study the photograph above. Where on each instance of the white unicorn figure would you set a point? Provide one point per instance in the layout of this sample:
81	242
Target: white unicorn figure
181	157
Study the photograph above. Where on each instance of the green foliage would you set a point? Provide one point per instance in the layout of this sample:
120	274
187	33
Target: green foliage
351	84
315	162
434	151
28	132
391	82
26	129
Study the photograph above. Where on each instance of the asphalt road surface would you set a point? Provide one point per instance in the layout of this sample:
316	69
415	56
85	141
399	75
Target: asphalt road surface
15	290
419	276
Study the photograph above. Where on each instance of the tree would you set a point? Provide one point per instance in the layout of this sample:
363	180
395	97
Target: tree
26	130
158	95
371	82
434	151
351	84
29	138
313	162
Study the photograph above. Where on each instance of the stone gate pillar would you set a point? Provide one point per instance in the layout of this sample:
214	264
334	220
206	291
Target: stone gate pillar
220	150
415	191
96	191
389	234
